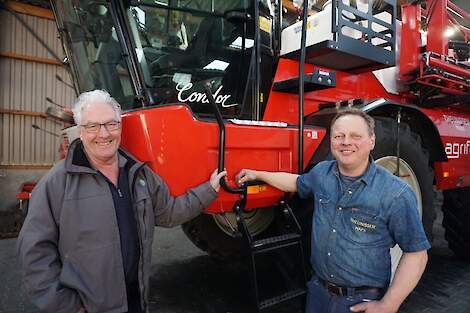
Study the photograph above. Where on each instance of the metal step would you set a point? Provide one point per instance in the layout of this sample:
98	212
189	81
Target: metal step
282	257
281	298
277	242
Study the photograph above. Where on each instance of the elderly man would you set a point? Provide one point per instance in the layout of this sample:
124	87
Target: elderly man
361	211
86	243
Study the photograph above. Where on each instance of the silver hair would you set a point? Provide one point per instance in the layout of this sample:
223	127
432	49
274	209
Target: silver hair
88	99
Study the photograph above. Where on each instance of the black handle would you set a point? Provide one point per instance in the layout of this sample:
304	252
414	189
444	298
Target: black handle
237	17
220	122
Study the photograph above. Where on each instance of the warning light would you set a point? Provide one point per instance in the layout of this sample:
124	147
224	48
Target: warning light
256	189
445	174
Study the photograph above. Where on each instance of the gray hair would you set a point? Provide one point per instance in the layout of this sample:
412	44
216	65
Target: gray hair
353	111
88	99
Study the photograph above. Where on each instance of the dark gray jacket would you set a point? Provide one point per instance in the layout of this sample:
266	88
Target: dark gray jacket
69	245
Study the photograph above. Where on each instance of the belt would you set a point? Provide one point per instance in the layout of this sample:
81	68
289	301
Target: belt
348	291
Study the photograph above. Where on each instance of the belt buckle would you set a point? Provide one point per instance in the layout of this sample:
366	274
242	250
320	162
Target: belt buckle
334	289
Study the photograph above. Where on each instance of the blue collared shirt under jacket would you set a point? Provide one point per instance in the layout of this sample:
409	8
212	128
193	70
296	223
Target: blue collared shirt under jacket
353	229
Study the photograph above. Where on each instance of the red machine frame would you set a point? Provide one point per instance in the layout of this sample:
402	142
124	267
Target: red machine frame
273	147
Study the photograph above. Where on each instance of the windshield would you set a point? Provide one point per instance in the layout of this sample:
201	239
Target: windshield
95	53
168	50
181	47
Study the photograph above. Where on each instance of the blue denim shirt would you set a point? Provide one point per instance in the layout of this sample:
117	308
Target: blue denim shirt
353	230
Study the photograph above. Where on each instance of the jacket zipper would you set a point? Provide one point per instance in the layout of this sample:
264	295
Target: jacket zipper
141	261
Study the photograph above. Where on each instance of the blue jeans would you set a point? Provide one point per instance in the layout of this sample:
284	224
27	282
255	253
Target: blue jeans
319	300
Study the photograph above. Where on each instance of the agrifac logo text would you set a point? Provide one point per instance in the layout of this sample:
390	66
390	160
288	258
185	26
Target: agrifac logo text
455	150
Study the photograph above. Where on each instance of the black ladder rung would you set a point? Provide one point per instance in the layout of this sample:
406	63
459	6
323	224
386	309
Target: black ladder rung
276	242
281	298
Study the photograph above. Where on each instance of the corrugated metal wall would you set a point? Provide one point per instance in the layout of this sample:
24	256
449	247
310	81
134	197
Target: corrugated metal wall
24	86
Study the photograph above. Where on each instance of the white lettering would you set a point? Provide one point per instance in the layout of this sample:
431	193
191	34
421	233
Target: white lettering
182	89
458	121
455	150
201	97
359	229
193	97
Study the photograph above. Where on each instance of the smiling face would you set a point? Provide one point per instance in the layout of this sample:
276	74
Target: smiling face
101	146
351	144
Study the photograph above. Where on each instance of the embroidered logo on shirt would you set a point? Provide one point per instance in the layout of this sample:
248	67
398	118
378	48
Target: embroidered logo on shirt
142	182
362	226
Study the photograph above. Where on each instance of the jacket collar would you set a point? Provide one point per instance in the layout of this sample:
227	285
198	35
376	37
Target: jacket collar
368	174
370	171
77	160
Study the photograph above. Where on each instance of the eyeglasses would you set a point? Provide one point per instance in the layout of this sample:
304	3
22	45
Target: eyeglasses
95	127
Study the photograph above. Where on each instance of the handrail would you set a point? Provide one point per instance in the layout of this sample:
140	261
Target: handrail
220	122
303	40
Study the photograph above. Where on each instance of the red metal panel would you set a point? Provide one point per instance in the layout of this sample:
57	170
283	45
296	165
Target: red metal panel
184	150
284	107
26	189
454	126
23	195
410	41
437	25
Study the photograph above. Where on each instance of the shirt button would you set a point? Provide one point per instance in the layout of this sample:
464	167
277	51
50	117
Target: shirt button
340	208
334	230
350	192
332	275
329	253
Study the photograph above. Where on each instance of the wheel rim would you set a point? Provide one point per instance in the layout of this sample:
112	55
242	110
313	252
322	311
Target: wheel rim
256	221
407	175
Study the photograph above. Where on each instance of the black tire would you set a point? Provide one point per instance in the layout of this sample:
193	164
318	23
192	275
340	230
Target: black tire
415	155
207	236
456	221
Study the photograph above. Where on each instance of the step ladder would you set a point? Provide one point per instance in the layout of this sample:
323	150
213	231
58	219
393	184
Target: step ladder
288	239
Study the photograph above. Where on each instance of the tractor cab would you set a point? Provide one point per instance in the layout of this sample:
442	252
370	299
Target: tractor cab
151	53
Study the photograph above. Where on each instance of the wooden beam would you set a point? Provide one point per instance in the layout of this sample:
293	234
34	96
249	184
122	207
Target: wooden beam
25	166
29	10
24	113
30	58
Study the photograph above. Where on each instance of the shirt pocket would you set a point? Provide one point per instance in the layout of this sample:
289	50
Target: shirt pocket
322	201
322	209
363	226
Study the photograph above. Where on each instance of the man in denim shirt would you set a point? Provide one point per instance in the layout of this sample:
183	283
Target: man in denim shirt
361	211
